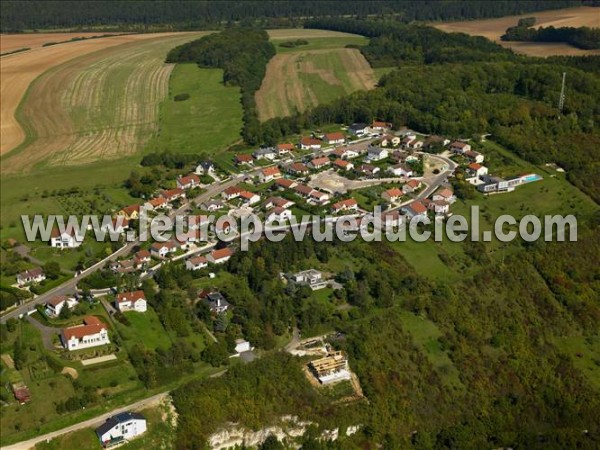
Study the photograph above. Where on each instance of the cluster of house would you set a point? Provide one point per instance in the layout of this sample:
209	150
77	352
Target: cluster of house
219	256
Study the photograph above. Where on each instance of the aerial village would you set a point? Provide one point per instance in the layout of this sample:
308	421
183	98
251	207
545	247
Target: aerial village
340	174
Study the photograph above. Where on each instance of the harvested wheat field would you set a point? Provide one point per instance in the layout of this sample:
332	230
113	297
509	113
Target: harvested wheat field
584	16
300	80
101	105
11	42
305	33
18	71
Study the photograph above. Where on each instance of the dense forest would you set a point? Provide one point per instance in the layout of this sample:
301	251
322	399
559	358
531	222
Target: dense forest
582	37
461	86
243	54
508	385
187	14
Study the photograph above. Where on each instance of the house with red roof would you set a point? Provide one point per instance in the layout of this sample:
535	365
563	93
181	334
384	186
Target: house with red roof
163	249
131	301
220	256
411	186
171	195
474	156
157	203
250	198
344	205
343	164
56	304
188	182
345	153
130	212
380	126
284	149
244	159
35	275
475	172
309	143
298	169
318	197
285	183
415	209
231	192
92	333
444	194
196	263
142	258
279	214
392	195
460	147
319	163
67	238
269	174
334	138
278	201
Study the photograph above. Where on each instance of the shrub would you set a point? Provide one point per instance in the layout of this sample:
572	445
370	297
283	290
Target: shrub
181	97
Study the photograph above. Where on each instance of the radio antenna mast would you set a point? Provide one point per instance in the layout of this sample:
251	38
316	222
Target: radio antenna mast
561	100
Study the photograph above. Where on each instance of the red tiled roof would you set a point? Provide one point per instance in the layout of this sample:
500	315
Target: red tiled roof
445	193
334	136
418	207
348	203
320	161
243	158
233	190
341	163
459	144
303	189
394	192
222	253
284	182
247	194
57	300
299	167
475	166
413	183
270	171
131	296
170	193
285	146
381	124
131	209
197	260
310	141
192	178
91	326
155	202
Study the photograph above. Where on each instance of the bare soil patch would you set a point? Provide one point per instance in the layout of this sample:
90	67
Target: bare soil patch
297	33
71	372
584	16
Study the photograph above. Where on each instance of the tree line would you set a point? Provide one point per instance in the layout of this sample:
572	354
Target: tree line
583	37
146	15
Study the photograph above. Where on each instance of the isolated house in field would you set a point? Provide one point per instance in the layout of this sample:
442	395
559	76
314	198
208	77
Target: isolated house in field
411	186
244	159
392	195
334	138
196	263
188	182
343	164
309	143
130	212
65	239
375	153
460	147
120	428
265	153
92	333
269	174
311	278
278	213
242	346
56	304
319	163
284	149
298	169
358	129
29	276
131	301
220	256
415	209
344	205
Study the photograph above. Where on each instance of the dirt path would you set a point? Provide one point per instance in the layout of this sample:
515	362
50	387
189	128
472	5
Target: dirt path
47	333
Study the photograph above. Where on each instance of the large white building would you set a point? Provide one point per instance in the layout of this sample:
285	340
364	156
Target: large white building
120	428
67	239
56	304
91	334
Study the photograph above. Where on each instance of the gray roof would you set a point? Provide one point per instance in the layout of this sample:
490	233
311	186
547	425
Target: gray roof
116	420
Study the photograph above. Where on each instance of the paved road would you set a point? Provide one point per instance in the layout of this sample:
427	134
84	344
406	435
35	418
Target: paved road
141	404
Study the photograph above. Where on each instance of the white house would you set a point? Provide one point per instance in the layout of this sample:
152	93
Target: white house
380	126
358	129
319	163
265	153
475	157
55	305
475	173
400	170
188	182
415	209
411	186
311	277
376	153
334	138
216	302
343	164
344	205
460	147
196	263
242	346
35	275
345	153
318	197
445	195
278	213
308	143
131	301
91	334
440	207
205	168
278	201
65	239
163	249
120	428
269	174
212	205
392	195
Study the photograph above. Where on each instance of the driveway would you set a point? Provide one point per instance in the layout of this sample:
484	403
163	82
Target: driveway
47	333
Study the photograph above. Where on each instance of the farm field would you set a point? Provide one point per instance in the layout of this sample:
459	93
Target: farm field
208	121
11	42
18	71
492	29
297	80
306	33
99	106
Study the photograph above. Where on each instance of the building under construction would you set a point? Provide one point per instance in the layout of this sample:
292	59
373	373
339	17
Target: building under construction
331	368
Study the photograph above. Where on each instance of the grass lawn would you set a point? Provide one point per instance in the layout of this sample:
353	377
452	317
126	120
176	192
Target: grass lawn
426	336
145	329
321	43
82	439
208	122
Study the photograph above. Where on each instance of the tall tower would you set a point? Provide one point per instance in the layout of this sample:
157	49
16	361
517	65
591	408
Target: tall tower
561	100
